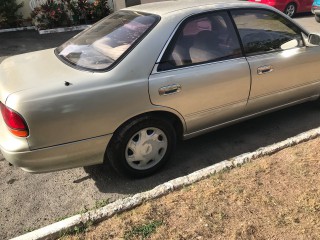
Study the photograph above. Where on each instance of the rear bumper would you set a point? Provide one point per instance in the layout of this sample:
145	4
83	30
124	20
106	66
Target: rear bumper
315	10
71	155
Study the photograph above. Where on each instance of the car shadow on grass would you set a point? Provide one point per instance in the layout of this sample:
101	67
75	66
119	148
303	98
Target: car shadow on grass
206	150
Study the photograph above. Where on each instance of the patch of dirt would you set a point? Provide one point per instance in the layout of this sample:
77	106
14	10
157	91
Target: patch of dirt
274	197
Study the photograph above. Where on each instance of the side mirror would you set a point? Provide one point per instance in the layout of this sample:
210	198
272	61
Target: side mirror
314	39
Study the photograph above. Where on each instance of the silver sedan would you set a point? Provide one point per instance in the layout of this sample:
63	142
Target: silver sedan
128	87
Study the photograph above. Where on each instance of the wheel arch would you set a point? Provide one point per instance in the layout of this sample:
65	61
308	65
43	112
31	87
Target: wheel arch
175	118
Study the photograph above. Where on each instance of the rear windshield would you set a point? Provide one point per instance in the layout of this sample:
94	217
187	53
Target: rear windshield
101	45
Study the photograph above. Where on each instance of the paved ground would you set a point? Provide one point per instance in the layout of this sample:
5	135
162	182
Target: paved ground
30	201
308	21
13	43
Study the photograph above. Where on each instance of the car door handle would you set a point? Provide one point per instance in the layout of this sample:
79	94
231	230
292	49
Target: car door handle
264	69
170	89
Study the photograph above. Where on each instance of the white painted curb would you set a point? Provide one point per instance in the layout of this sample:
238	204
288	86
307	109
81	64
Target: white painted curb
55	230
64	29
17	29
46	31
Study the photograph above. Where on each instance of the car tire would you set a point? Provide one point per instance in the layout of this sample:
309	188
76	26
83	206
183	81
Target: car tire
317	17
290	10
142	147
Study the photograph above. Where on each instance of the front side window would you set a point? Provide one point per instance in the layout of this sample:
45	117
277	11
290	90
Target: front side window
265	31
105	42
200	39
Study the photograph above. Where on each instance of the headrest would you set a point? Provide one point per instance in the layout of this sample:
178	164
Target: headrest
204	38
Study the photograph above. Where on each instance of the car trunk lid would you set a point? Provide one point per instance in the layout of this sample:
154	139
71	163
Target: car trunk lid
33	70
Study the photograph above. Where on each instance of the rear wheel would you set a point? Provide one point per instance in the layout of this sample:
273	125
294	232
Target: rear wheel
290	10
317	17
142	146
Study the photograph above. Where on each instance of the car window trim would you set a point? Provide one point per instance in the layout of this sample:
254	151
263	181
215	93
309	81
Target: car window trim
172	40
155	71
272	11
237	33
123	55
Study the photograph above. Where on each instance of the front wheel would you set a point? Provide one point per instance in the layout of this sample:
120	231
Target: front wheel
290	10
317	17
142	146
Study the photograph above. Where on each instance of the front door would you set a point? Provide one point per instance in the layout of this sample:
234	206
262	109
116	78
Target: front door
282	67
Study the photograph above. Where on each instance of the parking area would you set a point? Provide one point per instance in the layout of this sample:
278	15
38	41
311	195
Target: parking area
30	201
13	43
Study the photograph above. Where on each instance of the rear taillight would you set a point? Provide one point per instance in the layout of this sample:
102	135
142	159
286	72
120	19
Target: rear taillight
14	121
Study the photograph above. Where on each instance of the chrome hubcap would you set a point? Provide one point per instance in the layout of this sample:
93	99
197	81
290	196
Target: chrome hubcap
290	10
146	148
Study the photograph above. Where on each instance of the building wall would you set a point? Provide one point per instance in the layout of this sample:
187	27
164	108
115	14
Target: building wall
25	10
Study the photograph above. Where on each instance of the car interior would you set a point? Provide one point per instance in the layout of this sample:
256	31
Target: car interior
202	40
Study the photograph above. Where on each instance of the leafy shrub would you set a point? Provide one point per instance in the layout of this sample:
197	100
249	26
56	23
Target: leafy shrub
9	16
51	14
60	13
80	10
100	9
83	10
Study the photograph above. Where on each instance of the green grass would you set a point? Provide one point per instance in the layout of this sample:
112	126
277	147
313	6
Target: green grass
101	203
77	230
142	231
98	204
29	230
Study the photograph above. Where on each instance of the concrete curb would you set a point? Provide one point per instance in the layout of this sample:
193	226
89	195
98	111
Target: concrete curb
55	230
46	31
64	29
17	29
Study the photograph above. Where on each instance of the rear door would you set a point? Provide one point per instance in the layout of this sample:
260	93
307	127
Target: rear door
202	73
282	67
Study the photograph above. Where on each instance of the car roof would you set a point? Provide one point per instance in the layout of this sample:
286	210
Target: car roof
167	7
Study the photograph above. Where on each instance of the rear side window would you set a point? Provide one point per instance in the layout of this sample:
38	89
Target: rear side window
265	31
200	39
